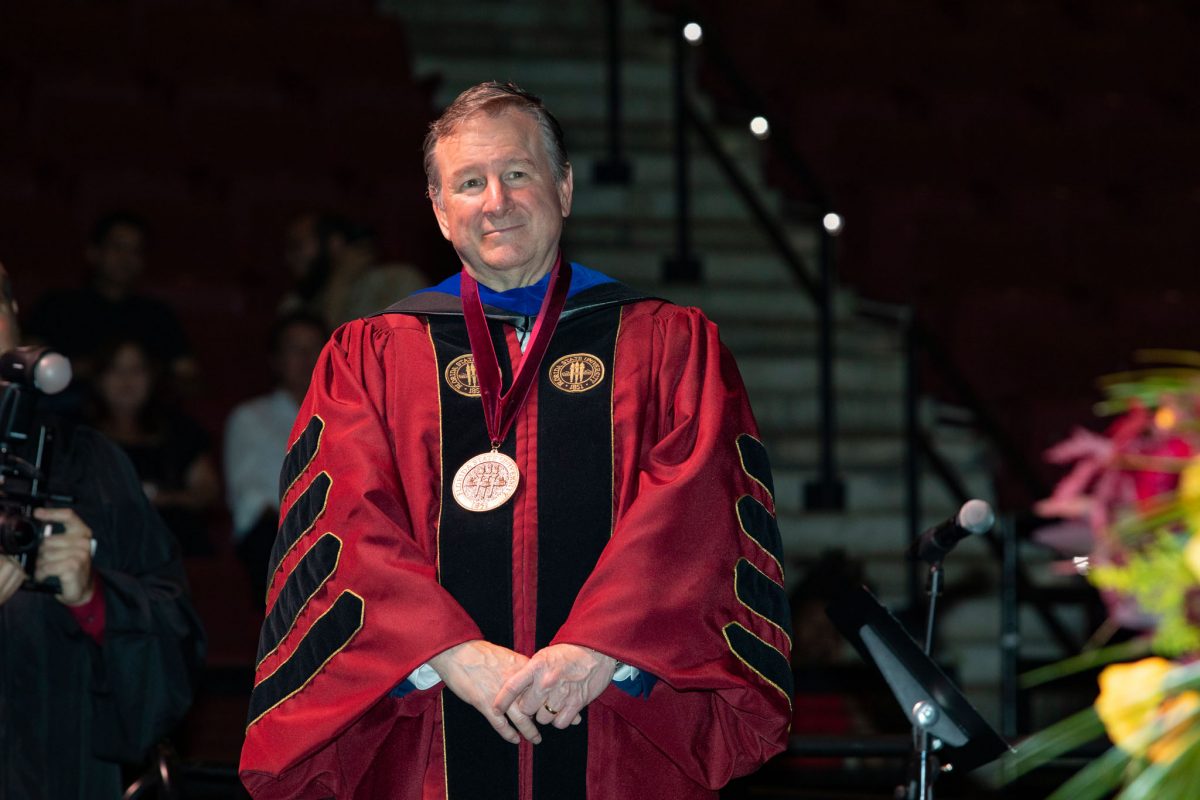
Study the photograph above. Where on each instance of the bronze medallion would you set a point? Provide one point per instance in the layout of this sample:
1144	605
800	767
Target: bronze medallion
462	377
485	482
577	373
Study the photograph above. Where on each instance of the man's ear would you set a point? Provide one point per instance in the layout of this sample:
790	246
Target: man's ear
566	189
439	211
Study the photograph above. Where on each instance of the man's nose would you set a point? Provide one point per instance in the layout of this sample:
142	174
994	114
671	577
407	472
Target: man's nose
495	198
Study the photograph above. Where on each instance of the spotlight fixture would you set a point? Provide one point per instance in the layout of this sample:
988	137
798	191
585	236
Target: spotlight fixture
833	223
760	127
693	33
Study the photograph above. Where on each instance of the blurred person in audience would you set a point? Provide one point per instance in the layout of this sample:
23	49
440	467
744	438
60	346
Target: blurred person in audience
256	438
335	262
169	450
76	321
91	676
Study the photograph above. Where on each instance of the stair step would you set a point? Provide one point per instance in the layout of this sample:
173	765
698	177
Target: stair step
853	452
867	375
748	337
880	490
652	170
727	304
860	414
757	266
713	202
863	534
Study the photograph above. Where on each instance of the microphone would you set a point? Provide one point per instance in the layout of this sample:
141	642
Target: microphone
975	517
43	369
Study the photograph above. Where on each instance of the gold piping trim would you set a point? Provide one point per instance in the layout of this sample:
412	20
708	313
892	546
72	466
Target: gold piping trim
362	611
737	511
612	427
307	464
307	600
738	594
445	764
437	383
742	461
299	536
725	633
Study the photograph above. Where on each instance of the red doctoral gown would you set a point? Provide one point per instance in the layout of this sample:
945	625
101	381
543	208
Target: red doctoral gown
643	528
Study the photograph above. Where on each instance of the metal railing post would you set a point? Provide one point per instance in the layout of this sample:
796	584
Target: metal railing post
912	454
683	267
827	492
1010	627
614	168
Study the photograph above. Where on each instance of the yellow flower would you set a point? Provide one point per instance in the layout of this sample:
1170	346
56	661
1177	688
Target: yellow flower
1189	496
1191	553
1131	698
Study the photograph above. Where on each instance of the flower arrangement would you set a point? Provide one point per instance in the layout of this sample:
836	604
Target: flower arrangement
1136	487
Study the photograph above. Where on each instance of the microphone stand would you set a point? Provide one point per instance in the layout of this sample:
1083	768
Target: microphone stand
926	715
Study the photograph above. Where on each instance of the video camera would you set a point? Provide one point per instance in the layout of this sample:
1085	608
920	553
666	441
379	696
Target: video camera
26	451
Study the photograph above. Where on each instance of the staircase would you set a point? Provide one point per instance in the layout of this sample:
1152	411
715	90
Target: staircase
556	50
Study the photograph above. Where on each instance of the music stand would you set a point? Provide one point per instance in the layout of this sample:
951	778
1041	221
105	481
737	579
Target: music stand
928	698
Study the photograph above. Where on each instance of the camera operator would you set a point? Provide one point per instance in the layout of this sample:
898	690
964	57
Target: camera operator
93	675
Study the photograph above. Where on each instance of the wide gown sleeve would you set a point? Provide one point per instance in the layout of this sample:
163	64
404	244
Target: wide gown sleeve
153	643
690	586
353	604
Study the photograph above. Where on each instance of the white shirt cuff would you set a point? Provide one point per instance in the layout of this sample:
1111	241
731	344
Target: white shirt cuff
424	677
626	673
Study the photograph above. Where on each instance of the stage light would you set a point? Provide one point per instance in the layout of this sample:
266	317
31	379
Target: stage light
693	33
833	223
760	127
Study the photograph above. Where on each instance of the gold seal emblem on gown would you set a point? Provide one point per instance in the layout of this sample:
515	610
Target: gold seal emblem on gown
461	376
485	482
577	373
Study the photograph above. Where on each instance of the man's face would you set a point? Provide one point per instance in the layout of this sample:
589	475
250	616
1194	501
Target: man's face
301	245
499	204
120	257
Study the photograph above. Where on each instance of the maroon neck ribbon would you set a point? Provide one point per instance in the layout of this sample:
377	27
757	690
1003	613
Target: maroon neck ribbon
499	411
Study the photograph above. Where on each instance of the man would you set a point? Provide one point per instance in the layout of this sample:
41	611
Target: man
547	571
256	438
77	322
93	675
342	278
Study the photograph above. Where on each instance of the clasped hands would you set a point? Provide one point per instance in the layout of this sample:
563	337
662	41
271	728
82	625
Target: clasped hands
513	691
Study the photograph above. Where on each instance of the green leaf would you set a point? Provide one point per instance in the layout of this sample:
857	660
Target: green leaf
1097	779
1050	743
1172	780
1134	648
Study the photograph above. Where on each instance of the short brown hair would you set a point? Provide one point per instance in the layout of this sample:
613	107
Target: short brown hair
494	97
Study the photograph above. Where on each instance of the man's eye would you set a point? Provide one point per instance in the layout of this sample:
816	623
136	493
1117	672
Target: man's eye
517	175
471	183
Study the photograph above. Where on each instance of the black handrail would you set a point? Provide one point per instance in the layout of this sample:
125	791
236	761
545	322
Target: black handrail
827	492
771	228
